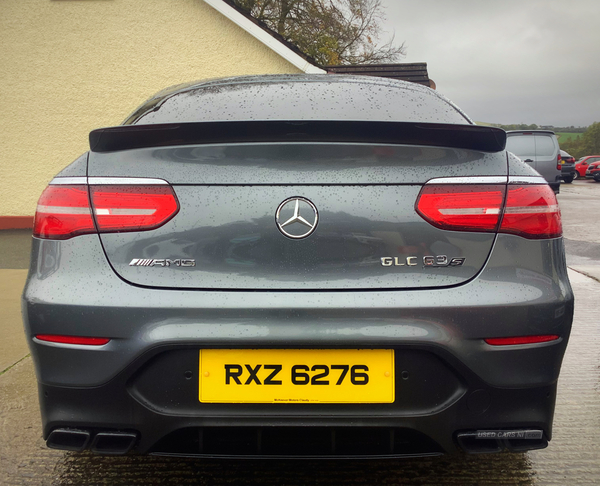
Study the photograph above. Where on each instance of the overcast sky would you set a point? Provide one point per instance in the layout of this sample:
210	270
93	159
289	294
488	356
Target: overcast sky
507	61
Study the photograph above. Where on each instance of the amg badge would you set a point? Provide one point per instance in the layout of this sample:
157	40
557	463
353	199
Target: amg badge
162	262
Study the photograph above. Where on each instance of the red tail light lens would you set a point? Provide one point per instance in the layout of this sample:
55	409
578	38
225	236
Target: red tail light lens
462	207
510	341
532	212
559	162
132	208
64	211
88	341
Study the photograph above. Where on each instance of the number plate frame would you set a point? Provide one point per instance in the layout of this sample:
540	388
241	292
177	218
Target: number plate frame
233	376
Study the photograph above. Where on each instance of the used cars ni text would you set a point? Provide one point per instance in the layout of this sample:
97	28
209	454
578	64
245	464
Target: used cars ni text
297	266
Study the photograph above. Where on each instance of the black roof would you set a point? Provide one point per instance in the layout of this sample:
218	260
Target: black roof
415	72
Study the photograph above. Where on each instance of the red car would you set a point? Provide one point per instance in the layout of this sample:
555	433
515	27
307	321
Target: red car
583	163
593	171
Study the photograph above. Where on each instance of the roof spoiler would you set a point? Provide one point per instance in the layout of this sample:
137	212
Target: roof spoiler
472	137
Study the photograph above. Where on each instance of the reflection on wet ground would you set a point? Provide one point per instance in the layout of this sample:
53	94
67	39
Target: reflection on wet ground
491	469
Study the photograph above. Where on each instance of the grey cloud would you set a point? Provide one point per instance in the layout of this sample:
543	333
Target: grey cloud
508	61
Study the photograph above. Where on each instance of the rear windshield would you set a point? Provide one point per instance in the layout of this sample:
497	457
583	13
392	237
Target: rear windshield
326	97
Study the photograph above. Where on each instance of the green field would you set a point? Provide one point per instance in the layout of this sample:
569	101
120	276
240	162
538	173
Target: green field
564	136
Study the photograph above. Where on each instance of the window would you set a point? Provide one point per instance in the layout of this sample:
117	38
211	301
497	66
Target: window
521	145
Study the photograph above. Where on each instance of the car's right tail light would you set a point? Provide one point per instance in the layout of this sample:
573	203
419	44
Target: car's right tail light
559	162
531	211
65	211
527	210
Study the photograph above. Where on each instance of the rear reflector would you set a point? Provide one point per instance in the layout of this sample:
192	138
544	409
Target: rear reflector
64	211
521	340
87	341
530	210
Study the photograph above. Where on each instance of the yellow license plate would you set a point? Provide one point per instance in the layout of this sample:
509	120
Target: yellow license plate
297	376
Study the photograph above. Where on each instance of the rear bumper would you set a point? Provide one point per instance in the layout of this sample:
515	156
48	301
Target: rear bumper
139	382
279	431
567	171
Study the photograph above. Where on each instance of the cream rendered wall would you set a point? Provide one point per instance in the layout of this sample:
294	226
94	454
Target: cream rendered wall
69	66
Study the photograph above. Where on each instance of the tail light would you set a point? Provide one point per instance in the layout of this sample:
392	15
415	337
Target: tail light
462	207
132	208
559	162
65	211
530	211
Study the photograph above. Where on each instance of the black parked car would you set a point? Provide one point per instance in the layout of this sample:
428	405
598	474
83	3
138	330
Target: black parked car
316	266
568	172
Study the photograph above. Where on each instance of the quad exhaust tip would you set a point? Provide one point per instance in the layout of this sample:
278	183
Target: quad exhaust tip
110	442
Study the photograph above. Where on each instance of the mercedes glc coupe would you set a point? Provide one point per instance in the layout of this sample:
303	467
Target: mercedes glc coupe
297	266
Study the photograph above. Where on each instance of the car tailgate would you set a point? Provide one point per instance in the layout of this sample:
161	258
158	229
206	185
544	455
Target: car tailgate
229	193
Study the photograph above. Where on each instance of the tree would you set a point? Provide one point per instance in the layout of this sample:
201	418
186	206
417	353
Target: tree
587	144
591	139
330	31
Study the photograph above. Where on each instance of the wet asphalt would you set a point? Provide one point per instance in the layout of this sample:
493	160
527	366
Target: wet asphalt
573	456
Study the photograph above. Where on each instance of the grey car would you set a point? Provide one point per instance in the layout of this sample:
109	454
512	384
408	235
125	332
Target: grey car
539	149
297	266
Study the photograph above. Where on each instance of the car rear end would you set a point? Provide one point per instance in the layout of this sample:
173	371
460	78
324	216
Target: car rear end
567	171
593	171
298	288
540	150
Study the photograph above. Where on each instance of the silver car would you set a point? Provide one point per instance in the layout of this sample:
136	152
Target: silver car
297	266
539	149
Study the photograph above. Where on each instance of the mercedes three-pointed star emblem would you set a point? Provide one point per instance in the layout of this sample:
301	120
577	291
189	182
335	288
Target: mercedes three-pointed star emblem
303	220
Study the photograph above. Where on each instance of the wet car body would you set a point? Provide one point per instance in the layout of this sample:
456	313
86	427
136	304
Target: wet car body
232	328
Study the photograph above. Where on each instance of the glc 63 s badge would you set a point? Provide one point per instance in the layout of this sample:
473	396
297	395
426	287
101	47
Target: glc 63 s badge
428	261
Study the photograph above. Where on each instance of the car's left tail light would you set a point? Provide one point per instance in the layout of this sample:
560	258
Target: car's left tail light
65	211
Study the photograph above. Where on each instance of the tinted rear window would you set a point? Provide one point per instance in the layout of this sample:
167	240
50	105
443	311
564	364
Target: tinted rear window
521	145
325	97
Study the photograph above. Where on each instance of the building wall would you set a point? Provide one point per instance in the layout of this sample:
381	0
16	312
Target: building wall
69	66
